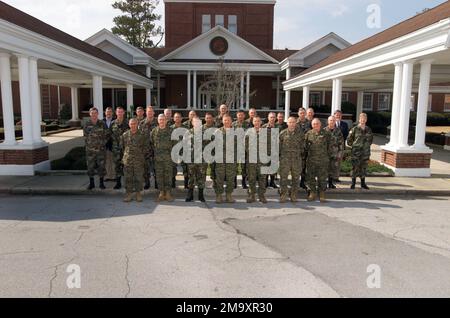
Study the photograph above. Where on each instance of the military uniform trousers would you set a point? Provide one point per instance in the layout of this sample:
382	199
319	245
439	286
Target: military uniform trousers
317	175
360	162
164	174
197	175
224	173
96	163
334	167
290	165
134	177
255	177
118	164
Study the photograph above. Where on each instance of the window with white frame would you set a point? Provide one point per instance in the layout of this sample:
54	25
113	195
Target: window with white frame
220	20
368	102
345	97
232	23
206	23
384	101
314	99
447	103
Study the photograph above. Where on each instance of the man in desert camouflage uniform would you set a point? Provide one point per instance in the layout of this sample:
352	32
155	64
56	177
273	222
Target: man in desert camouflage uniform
292	144
317	145
95	136
118	128
337	148
134	145
360	140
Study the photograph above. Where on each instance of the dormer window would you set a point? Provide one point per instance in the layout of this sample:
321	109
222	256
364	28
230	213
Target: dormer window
232	24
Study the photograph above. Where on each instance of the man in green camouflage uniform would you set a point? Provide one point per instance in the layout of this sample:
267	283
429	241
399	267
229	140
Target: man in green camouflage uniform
254	168
178	123
146	126
281	124
305	125
271	124
188	123
118	128
140	112
168	114
360	140
251	114
241	123
337	148
134	145
162	144
292	145
95	136
210	124
223	110
317	145
225	172
197	171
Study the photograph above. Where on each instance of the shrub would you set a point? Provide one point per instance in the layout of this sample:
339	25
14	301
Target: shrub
66	112
74	160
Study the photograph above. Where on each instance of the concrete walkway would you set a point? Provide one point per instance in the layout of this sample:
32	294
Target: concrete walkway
60	144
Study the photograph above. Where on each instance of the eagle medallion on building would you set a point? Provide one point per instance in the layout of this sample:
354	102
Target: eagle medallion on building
219	46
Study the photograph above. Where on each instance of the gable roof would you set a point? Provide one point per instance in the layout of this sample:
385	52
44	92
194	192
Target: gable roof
224	32
26	21
411	25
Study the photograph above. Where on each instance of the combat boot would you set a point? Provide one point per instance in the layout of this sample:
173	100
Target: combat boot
330	183
283	198
128	198
190	196
139	197
363	184
91	184
169	197
272	182
147	184
161	197
311	196
201	195
219	199
353	187
118	185
229	198
102	184
322	197
262	199
251	198
293	197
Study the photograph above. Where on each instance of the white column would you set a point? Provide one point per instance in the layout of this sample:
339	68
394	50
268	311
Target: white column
287	105
248	91
189	90
396	100
97	94
422	108
306	93
158	80
74	96
407	78
7	100
242	90
278	92
359	104
130	96
148	91
195	91
25	99
36	108
337	95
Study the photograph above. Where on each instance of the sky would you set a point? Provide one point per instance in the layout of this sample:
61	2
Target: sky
297	22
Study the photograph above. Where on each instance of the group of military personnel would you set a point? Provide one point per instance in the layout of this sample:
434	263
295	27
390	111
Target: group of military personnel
310	156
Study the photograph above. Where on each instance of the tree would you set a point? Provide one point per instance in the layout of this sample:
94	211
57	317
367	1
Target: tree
138	23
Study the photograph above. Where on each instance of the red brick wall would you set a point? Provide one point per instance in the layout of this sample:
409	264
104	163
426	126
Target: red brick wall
406	161
262	85
23	157
184	21
437	103
176	90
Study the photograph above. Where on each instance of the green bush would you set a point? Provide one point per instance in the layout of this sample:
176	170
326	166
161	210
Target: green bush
66	112
74	160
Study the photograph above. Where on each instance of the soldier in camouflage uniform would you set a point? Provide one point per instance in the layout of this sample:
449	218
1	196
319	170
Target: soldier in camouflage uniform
241	123
162	144
360	140
188	123
251	114
140	112
134	145
271	124
337	148
317	145
118	128
209	124
225	172
281	124
292	145
95	135
197	171
223	110
305	125
168	114
146	126
254	169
